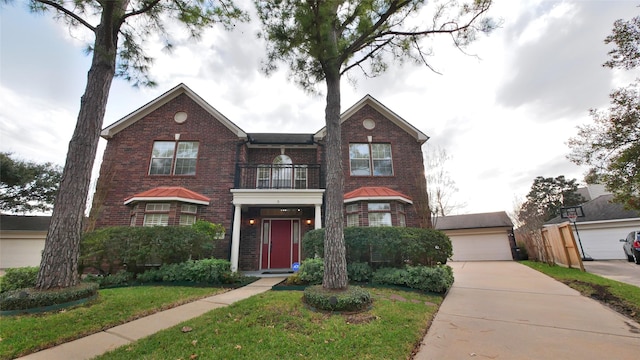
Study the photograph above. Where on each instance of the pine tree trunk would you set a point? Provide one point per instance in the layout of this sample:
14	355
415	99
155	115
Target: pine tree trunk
335	265
59	265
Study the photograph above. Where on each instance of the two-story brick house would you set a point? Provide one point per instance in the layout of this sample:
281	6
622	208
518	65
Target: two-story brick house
177	159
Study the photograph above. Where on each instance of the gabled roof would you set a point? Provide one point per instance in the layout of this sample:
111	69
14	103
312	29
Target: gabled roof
474	221
369	100
169	193
24	222
130	119
375	193
601	209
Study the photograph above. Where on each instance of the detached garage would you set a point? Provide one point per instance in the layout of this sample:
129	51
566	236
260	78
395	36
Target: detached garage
479	237
22	240
603	225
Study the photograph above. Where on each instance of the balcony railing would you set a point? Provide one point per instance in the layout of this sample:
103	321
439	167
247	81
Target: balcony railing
269	176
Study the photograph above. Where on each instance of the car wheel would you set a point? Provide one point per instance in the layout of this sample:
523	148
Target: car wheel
636	255
629	257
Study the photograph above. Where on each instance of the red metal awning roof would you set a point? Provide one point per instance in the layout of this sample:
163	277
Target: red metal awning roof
169	193
376	193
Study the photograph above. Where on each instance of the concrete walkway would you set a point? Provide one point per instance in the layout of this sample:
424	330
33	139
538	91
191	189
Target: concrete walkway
110	339
505	310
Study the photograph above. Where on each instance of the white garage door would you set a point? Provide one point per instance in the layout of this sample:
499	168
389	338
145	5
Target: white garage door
602	244
481	247
20	252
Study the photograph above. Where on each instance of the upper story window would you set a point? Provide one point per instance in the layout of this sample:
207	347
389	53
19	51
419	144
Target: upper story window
370	159
171	157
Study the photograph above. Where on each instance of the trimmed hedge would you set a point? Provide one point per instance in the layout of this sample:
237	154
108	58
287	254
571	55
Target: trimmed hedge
110	249
29	298
18	278
209	271
396	246
436	279
353	298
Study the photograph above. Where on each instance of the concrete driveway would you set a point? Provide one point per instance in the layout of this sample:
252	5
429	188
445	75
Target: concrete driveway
619	270
506	310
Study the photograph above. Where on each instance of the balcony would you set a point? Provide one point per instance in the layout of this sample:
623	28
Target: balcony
269	176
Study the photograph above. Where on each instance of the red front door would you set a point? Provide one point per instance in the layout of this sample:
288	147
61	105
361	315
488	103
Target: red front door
277	244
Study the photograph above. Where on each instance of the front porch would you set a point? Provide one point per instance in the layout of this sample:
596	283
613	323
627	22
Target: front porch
270	224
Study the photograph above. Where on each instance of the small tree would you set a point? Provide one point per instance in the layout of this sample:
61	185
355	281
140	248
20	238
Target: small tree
611	145
27	186
321	40
119	28
440	184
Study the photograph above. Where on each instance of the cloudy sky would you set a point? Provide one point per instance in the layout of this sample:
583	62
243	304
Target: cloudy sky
504	115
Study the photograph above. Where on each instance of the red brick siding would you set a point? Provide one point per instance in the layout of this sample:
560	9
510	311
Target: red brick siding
406	151
124	171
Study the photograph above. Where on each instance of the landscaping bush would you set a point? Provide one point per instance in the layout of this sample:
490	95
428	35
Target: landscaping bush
436	279
209	271
109	250
354	298
395	246
359	272
29	298
311	271
18	278
121	278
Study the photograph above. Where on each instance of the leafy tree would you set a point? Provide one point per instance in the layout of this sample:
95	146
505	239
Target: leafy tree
547	196
543	202
119	28
611	145
27	186
321	40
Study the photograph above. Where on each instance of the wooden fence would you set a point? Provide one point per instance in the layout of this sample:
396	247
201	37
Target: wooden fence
560	245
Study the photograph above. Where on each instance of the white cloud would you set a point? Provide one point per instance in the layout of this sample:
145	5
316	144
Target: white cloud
504	116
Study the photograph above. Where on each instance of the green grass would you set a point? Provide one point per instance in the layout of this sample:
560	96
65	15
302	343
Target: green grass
24	334
277	325
625	299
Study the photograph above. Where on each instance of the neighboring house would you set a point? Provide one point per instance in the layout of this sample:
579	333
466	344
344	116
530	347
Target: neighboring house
478	237
603	225
177	159
22	240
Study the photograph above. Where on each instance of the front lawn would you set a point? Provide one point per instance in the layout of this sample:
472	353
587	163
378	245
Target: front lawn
621	297
277	325
24	334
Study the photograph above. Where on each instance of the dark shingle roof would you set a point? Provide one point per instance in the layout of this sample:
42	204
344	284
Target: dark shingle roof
599	209
25	223
474	221
280	139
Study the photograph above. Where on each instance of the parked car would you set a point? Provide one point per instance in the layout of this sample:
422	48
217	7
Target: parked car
631	246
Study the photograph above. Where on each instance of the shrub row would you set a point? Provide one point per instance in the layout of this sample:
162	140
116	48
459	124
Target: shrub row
436	279
29	298
108	250
392	246
210	271
18	278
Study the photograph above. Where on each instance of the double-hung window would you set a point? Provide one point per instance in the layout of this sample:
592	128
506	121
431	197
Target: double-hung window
370	159
174	158
156	214
188	214
353	215
379	214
